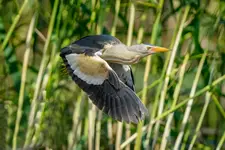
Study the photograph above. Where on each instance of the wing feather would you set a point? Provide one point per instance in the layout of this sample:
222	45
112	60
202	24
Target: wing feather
125	74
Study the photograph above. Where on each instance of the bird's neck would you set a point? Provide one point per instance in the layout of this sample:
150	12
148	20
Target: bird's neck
120	54
132	48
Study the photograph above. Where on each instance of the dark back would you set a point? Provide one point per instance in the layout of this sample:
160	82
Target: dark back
97	41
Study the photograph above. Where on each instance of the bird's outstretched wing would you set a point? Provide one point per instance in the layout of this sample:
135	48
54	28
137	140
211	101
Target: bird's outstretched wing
93	75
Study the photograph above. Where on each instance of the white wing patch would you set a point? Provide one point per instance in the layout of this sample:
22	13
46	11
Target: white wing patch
91	69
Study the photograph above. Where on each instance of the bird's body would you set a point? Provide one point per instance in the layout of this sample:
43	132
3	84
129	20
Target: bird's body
99	66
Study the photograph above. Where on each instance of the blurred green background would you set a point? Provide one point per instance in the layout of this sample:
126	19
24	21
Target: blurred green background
42	108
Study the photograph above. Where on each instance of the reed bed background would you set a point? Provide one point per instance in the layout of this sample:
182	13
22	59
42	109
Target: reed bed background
184	89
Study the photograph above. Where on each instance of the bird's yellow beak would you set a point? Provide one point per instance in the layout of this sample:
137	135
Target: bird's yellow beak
157	49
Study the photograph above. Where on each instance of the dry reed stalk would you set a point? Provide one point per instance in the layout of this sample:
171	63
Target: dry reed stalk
13	26
175	99
72	138
23	77
40	75
205	107
168	73
190	102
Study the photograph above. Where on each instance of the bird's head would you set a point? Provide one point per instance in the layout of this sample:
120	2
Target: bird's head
146	49
130	54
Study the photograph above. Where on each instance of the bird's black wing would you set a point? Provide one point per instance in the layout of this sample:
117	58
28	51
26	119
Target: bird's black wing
90	44
125	74
93	75
97	41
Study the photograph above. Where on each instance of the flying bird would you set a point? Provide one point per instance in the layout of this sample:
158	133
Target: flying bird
100	66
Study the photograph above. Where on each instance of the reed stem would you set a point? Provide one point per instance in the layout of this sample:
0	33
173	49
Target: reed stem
168	72
40	75
175	99
23	77
207	100
15	21
221	142
220	108
189	105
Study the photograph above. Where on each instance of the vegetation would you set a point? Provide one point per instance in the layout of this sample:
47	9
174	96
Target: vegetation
184	89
